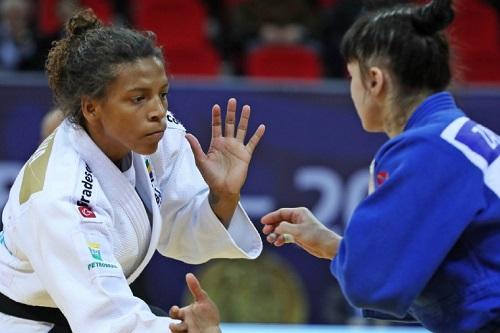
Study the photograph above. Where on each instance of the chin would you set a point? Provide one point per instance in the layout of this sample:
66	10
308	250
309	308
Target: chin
147	150
370	128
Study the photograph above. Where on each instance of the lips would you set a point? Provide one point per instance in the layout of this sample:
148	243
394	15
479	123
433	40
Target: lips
161	130
156	135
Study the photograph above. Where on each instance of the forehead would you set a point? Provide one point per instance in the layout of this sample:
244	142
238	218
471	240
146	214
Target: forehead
145	73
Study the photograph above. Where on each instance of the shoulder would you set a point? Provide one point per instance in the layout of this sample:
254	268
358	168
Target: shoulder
68	188
436	139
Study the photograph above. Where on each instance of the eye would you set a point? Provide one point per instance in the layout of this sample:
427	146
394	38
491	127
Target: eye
163	96
137	99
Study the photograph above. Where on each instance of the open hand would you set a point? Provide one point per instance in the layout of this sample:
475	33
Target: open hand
224	167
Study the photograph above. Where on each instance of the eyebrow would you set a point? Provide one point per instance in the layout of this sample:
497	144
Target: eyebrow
166	86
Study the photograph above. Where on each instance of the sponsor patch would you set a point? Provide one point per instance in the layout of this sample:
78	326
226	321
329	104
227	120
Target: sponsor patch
96	252
479	145
480	140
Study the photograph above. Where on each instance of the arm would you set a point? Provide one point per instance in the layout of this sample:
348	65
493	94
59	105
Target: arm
75	263
191	230
400	235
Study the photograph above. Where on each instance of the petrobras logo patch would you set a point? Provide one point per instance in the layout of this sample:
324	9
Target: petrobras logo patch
95	250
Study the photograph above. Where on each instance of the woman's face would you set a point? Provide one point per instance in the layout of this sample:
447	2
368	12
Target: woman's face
131	117
366	106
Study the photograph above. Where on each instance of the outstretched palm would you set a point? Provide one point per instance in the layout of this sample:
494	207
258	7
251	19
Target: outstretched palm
224	167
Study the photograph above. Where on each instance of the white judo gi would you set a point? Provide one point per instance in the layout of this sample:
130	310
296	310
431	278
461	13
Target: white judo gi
78	230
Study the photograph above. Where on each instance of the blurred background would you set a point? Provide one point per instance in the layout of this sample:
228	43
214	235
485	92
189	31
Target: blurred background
282	58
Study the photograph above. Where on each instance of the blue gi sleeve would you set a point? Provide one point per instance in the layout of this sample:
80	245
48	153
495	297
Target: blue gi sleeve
400	234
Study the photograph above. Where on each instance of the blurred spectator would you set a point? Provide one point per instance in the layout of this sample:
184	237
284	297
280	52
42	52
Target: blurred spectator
18	45
50	121
337	20
495	4
279	21
64	9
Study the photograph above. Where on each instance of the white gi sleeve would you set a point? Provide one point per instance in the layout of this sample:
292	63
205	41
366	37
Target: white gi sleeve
73	258
191	232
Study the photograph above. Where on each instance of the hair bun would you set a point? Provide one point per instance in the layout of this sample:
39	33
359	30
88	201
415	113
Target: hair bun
433	17
81	22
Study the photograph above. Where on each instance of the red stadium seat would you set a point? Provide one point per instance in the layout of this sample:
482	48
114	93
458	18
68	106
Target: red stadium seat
199	60
475	34
177	23
48	23
285	61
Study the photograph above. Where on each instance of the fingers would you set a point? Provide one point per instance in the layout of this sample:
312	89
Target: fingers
176	313
280	240
282	214
243	124
195	288
283	233
230	117
230	124
287	228
216	121
198	153
268	228
178	328
254	140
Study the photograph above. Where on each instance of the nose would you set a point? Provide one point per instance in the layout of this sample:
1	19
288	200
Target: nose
158	110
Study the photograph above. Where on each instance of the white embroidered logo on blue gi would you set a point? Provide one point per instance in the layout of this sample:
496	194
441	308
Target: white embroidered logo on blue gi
156	191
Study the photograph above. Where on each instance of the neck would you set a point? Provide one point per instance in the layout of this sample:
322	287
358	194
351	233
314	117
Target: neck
112	149
399	111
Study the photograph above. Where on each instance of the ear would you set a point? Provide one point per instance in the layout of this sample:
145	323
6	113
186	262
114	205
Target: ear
90	109
376	81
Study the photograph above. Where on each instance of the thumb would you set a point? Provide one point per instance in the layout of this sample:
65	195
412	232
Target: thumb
198	153
195	288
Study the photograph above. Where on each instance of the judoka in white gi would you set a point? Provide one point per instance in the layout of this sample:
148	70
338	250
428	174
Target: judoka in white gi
117	180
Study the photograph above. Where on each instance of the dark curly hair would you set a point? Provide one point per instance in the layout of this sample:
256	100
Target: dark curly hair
409	41
85	62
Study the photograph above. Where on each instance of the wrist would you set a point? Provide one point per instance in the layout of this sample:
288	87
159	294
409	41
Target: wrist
223	205
332	243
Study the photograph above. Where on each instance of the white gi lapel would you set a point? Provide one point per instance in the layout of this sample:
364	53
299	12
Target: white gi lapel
113	182
146	184
118	189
